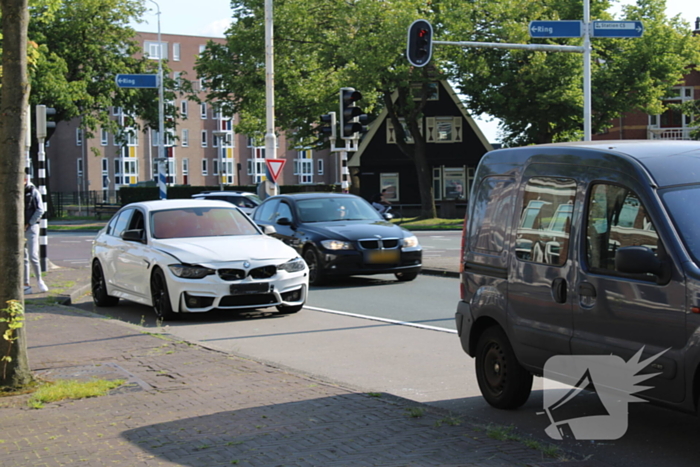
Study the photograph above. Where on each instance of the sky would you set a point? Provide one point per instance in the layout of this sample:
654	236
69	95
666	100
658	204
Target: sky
212	17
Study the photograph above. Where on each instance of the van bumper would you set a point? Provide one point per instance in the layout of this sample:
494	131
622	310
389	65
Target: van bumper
464	321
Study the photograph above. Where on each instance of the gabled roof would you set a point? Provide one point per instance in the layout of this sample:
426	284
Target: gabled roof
354	161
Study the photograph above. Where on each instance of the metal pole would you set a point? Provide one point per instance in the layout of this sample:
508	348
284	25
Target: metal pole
270	137
162	185
587	107
43	223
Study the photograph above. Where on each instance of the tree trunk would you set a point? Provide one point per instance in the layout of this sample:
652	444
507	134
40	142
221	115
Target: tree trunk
14	100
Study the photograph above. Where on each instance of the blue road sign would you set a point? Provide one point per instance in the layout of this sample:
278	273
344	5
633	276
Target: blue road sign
556	28
617	29
137	81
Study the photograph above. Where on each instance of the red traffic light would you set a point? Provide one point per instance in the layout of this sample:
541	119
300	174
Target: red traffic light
420	43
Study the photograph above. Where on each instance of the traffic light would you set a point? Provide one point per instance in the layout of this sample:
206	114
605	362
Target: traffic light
44	127
351	117
420	43
328	125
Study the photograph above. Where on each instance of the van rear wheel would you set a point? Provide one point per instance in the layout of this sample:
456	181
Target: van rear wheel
504	383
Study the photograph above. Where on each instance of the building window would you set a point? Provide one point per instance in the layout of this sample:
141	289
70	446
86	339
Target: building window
320	166
185	171
204	139
78	137
389	184
80	169
444	129
183	108
185	138
176	51
215	167
455	184
391	136
104	137
205	169
155	50
202	48
203	110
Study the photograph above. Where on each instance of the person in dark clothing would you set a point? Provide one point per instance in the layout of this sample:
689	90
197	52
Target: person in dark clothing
33	210
380	203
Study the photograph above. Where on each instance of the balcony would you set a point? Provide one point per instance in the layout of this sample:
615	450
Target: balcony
670	133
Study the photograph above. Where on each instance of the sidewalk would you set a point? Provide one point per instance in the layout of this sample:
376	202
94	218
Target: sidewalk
184	405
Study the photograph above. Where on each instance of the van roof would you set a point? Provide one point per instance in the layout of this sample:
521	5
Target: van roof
667	162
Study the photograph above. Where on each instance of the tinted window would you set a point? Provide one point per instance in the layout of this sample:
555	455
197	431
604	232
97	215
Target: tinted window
616	218
491	215
200	222
543	232
336	209
681	203
122	222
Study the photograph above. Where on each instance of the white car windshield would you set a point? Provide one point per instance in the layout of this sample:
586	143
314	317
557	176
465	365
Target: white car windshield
200	222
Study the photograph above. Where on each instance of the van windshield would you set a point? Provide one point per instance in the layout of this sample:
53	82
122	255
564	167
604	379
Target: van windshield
680	203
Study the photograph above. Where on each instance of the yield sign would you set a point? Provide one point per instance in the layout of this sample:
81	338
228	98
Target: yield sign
274	166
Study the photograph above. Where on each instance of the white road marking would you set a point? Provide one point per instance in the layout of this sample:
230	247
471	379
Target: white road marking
383	320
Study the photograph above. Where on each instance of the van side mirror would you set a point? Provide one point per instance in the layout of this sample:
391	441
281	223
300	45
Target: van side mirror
638	260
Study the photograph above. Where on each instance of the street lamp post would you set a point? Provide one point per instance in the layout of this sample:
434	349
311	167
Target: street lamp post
160	159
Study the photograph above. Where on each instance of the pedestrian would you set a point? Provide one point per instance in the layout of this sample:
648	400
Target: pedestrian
380	202
33	210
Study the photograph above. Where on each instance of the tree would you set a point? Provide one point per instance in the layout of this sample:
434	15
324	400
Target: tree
321	46
14	95
538	95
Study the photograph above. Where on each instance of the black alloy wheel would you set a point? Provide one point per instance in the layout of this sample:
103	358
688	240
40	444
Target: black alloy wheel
161	298
504	383
316	275
99	287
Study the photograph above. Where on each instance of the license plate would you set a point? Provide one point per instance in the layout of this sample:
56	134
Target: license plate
383	256
245	289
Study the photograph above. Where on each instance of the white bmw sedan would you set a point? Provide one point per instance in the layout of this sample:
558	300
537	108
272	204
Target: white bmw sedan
190	256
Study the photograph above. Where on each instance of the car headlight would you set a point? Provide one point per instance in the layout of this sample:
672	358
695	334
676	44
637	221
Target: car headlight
337	245
410	242
190	272
293	265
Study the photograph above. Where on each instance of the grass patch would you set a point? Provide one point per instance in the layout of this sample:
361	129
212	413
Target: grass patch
506	433
71	228
71	389
415	412
414	223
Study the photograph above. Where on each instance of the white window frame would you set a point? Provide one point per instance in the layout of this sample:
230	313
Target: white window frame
203	110
320	166
204	139
78	137
185	138
176	51
104	137
205	167
183	108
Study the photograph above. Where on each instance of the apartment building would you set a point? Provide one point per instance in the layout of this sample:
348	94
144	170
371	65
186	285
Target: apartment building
202	150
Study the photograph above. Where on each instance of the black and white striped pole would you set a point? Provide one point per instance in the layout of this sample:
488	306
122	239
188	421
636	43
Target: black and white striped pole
42	126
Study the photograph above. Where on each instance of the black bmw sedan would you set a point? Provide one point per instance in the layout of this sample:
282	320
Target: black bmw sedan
341	235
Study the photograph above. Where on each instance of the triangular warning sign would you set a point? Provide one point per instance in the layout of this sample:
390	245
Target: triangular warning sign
274	166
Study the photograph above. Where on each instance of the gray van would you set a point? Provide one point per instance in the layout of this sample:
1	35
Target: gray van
589	248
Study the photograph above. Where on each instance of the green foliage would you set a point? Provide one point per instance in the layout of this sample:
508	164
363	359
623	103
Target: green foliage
78	48
538	95
13	316
71	389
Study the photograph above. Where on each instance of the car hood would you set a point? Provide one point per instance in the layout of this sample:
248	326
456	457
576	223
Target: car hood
224	249
355	230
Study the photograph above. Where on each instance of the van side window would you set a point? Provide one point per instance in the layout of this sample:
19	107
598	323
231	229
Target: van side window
616	218
542	235
491	217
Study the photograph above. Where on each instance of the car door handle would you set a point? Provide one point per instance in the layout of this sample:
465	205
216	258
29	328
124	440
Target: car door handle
587	289
559	290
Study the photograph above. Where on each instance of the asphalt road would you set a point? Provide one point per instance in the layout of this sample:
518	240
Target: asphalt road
350	334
